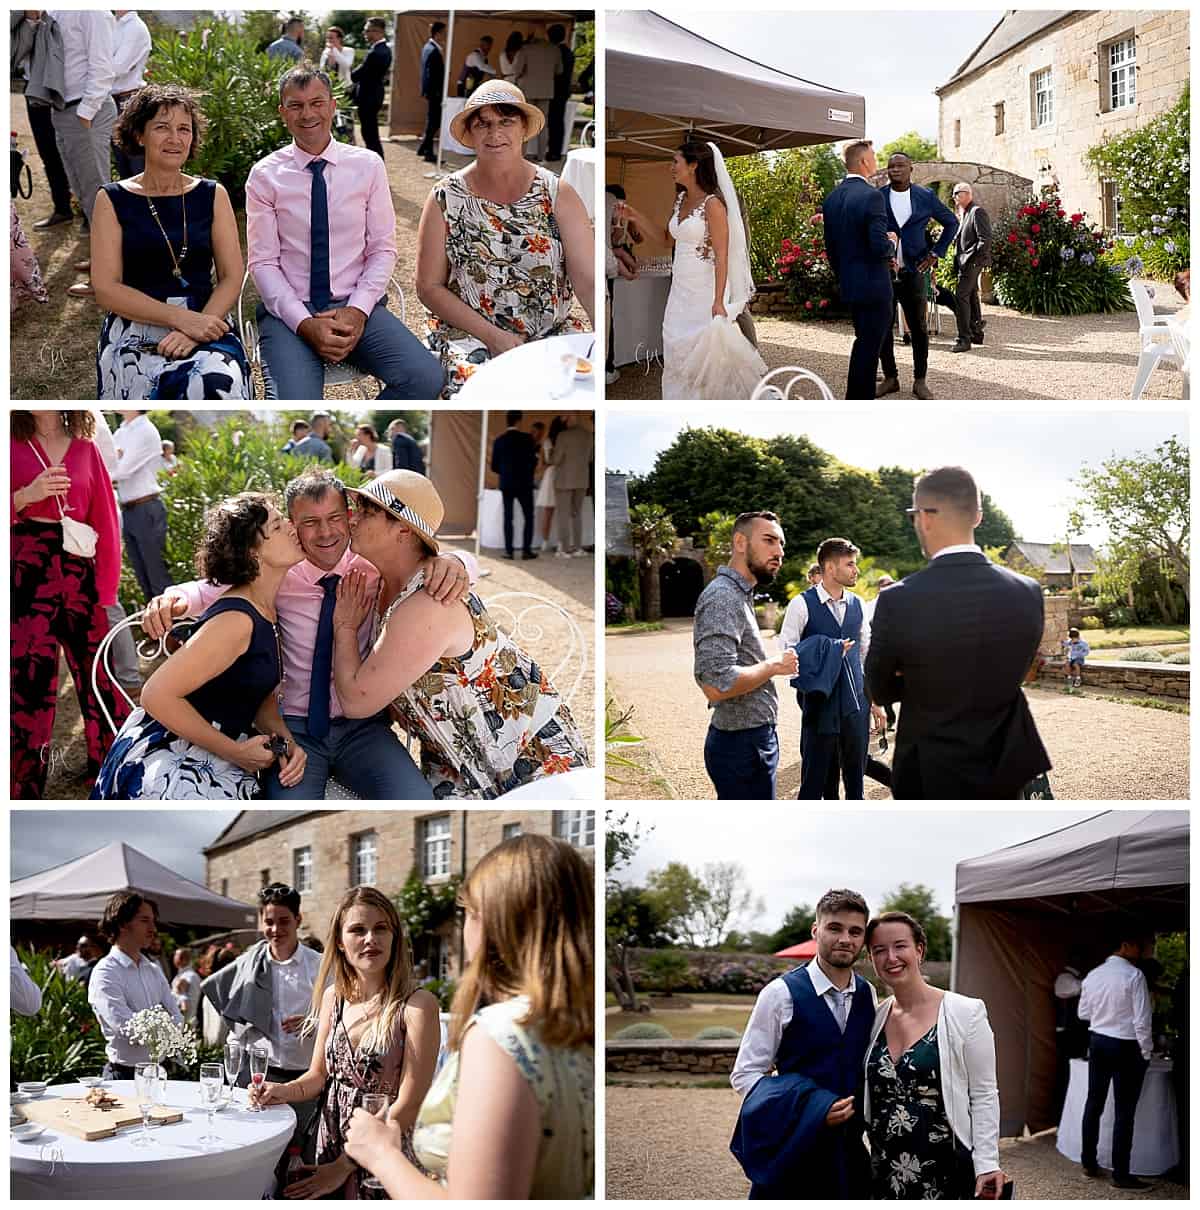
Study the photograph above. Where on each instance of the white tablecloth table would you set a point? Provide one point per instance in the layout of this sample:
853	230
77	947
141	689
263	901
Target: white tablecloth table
454	105
637	313
525	374
574	785
1155	1127
491	521
176	1167
580	173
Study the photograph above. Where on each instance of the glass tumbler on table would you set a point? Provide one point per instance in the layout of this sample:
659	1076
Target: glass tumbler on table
146	1084
211	1083
376	1104
259	1059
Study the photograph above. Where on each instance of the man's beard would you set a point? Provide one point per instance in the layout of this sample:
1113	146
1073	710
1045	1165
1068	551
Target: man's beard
840	958
762	574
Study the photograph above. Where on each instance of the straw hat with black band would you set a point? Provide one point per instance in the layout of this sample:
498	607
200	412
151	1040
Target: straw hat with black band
410	498
496	92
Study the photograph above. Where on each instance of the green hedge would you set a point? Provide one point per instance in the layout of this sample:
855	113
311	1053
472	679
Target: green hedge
60	1042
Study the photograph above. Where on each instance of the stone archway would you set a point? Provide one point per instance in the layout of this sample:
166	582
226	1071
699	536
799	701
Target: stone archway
995	189
681	580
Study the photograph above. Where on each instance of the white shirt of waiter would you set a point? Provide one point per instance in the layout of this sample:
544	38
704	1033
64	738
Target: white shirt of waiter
88	72
139	456
795	619
120	987
1115	1002
771	1016
25	997
131	50
186	987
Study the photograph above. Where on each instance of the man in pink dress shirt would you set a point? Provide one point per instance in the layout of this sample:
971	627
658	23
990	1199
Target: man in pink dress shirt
321	238
365	755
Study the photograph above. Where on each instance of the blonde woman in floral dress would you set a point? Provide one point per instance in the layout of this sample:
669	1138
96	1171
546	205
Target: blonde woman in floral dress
504	246
511	1114
487	716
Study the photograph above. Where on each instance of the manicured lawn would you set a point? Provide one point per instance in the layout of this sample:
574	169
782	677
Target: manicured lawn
683	1023
1135	636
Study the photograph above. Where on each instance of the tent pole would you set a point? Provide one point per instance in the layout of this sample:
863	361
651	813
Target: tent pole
954	935
446	80
483	431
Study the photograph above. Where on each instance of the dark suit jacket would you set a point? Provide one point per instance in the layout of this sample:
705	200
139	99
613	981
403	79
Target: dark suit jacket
857	243
433	70
371	75
406	454
914	235
514	459
974	236
562	83
952	644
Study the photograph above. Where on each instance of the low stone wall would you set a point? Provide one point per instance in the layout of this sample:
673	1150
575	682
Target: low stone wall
668	1055
771	301
1157	680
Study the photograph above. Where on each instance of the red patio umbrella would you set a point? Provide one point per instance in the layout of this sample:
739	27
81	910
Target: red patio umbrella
806	949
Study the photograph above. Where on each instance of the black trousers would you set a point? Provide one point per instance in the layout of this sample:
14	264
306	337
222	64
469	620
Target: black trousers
871	324
909	289
555	123
1117	1062
967	312
368	122
524	497
42	126
824	757
126	165
433	124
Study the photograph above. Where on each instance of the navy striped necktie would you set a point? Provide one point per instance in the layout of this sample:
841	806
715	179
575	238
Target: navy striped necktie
319	291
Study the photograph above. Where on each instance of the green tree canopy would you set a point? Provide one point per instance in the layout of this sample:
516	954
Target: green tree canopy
918	901
914	145
677	895
796	927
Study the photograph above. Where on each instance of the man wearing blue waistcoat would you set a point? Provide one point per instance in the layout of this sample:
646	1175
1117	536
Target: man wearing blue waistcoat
828	629
799	1133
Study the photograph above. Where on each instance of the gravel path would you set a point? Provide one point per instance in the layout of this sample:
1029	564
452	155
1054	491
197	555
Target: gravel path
650	1157
1025	357
1146	758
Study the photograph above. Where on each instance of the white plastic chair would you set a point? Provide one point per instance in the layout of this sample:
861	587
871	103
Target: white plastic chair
767	389
153	649
1154	333
1181	342
336	375
527	632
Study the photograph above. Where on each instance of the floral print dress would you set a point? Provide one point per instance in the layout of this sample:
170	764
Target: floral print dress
507	262
488	720
912	1145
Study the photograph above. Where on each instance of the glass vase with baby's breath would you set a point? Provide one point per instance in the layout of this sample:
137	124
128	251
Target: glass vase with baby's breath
163	1037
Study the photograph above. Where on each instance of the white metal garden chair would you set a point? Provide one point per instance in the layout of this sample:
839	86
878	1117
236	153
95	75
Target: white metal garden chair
525	616
341	374
767	389
1154	337
587	136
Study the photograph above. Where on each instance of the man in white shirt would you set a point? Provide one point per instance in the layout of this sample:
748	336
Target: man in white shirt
837	713
131	51
476	68
143	514
186	986
24	996
126	980
799	1133
1115	1002
82	956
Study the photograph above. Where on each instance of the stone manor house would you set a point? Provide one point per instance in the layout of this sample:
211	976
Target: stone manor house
1044	86
325	853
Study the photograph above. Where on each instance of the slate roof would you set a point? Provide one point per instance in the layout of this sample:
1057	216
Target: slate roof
1051	557
1015	27
252	823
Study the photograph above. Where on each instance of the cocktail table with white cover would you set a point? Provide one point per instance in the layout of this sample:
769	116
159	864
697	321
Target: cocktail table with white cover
1155	1126
638	307
176	1167
580	173
525	374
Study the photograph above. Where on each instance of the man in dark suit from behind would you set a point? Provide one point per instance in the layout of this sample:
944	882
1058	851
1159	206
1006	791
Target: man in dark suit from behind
860	251
562	90
433	81
370	76
514	459
952	643
406	453
972	254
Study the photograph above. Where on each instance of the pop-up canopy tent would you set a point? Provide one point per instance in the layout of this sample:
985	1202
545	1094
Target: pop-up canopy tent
806	949
1021	912
663	81
79	890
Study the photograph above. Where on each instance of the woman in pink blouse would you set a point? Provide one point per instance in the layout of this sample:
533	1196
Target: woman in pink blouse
58	599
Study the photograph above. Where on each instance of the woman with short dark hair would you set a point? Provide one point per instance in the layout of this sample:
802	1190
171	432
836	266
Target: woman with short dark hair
156	240
209	721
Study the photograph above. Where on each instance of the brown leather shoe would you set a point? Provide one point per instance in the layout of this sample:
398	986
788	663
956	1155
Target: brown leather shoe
889	386
920	390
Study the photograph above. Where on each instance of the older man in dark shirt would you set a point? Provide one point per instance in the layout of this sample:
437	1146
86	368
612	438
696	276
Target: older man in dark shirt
741	751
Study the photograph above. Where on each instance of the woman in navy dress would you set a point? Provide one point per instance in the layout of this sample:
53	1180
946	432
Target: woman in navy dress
210	713
156	240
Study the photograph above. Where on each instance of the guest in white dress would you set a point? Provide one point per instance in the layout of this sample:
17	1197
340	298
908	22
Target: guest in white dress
544	500
512	59
337	56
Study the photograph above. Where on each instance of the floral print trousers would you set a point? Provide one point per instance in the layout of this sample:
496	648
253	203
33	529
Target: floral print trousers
54	604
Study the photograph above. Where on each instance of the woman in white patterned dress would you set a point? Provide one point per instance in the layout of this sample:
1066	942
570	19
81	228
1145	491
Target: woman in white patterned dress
705	355
511	1114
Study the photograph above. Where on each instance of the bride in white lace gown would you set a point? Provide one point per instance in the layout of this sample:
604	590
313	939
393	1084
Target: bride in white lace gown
705	355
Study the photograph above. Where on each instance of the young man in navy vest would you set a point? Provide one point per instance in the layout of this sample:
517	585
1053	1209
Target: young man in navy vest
800	1131
829	631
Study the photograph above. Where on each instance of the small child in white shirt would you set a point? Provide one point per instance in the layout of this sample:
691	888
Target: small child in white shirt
1076	651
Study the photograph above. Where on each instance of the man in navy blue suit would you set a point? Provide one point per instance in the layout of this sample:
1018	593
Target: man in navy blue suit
433	70
370	77
860	251
909	209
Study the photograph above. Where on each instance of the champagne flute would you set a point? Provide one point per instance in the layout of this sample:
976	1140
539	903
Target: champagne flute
376	1104
258	1068
234	1056
145	1079
211	1083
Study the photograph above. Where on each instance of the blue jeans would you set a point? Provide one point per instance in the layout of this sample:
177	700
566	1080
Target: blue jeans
292	368
362	753
742	764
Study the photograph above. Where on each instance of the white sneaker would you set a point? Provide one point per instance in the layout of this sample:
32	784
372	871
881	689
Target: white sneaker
561	554
612	376
579	554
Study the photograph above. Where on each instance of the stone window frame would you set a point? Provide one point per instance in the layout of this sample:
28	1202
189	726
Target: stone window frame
1110	201
359	853
577	827
998	115
225	888
436	847
302	870
264	877
1128	68
1036	94
509	831
958	132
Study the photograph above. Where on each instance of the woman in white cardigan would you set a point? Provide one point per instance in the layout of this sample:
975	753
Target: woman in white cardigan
930	1099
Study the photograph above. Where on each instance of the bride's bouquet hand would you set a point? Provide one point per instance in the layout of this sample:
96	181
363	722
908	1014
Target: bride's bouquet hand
718	309
353	601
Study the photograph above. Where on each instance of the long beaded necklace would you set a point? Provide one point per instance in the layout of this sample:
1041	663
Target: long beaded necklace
177	271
